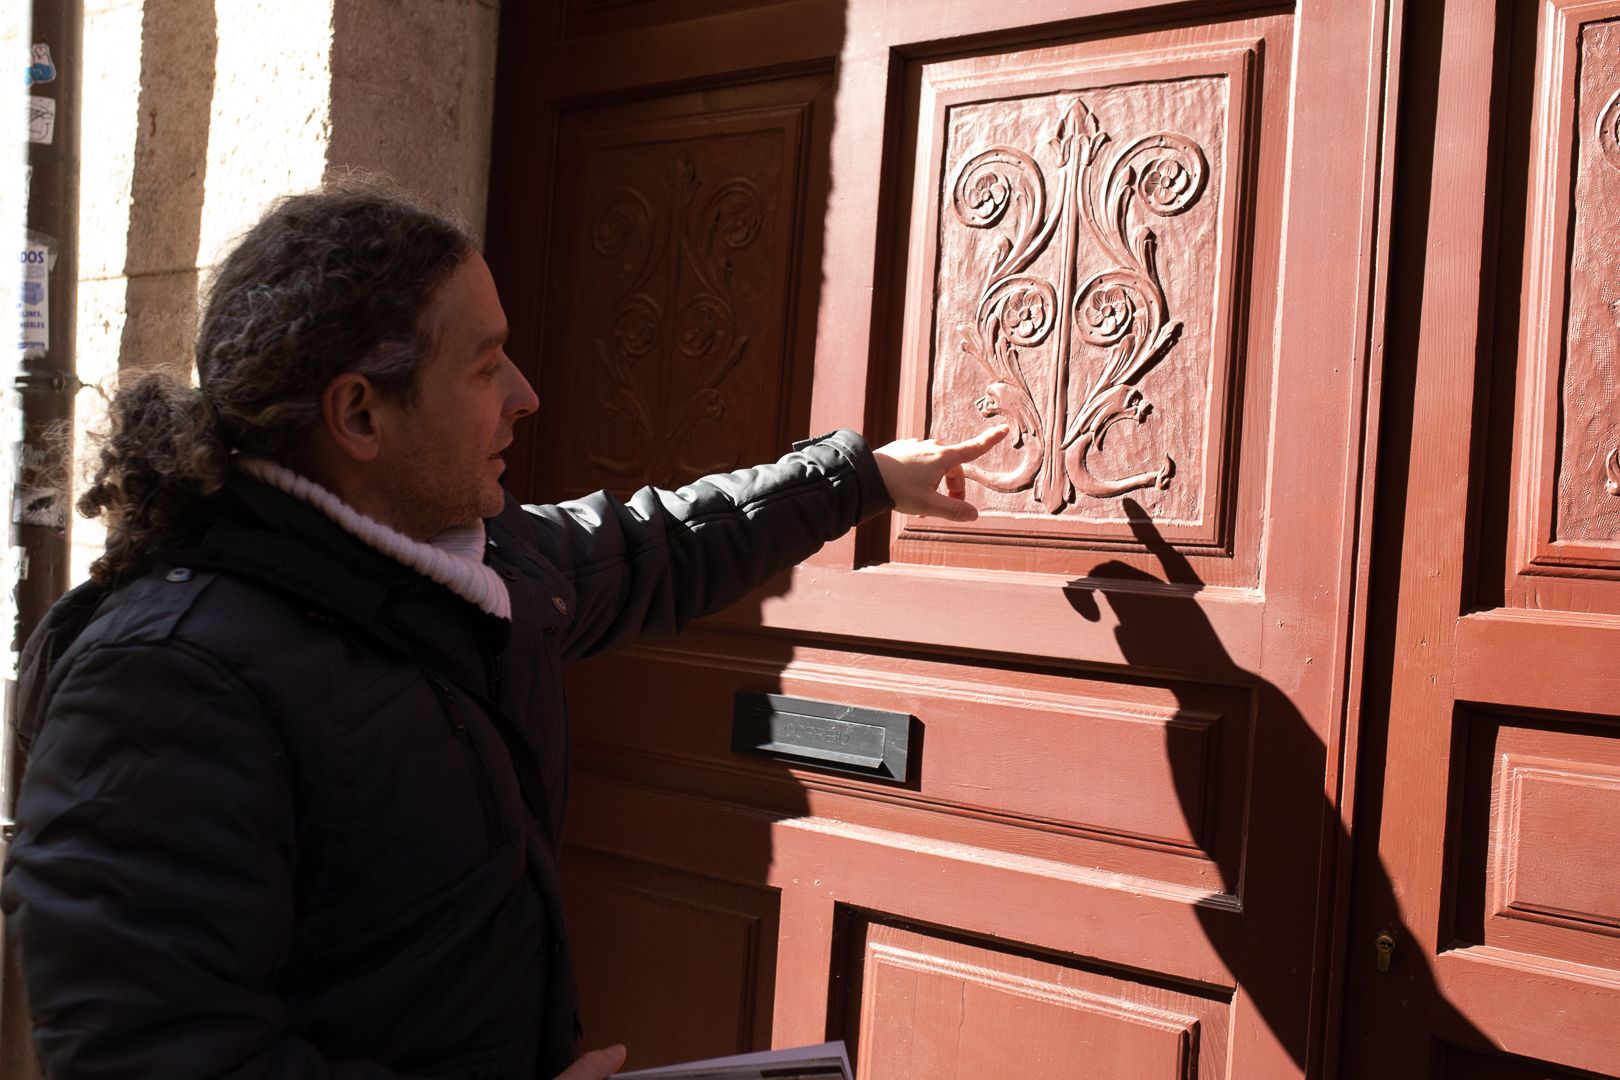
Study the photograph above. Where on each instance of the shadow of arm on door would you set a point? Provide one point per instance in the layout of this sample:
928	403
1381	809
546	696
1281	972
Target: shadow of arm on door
1160	626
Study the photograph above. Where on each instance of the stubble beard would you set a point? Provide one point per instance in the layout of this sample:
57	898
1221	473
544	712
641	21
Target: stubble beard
426	500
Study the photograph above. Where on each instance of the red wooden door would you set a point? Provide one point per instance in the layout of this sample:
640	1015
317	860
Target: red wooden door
1140	233
1485	843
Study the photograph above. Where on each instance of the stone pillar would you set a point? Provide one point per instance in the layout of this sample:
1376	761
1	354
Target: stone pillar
169	170
413	92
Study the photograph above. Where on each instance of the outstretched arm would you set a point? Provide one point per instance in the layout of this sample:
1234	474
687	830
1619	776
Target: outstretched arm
649	564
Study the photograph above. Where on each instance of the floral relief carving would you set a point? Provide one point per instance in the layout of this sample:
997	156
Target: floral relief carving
1106	311
671	336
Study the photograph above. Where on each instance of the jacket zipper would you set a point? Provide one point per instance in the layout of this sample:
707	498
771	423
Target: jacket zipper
475	761
492	669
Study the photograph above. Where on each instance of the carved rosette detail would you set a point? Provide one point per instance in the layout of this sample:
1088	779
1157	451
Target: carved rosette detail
1608	131
1118	309
693	318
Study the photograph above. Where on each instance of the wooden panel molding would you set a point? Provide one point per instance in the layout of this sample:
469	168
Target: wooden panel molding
1539	1009
942	1007
1554	861
1567	653
674	303
1145	775
921	987
1539	870
1141	779
1568	505
993	895
1082	251
715	939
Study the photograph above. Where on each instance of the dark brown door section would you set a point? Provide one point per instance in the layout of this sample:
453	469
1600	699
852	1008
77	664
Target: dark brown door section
1141	234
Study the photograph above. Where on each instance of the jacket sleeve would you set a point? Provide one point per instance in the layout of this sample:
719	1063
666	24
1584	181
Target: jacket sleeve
149	890
649	565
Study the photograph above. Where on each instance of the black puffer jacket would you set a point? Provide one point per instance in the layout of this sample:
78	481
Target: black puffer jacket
274	820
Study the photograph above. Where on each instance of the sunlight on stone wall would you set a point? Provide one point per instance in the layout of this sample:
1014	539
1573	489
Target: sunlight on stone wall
271	117
429	132
111	89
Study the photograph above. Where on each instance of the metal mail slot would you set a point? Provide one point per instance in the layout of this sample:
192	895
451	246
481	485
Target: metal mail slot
842	738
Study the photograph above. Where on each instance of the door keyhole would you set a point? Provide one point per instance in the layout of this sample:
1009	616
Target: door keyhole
1384	944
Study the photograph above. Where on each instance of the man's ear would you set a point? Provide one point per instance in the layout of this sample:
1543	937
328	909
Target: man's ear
347	414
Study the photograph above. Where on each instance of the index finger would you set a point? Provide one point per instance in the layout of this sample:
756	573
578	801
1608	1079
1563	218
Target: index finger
968	449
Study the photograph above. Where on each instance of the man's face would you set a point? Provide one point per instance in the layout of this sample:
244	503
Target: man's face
441	456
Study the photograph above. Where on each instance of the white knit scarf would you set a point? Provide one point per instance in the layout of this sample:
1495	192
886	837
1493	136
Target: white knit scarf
454	558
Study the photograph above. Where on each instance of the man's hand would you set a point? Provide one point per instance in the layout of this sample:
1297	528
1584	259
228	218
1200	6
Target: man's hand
596	1065
913	468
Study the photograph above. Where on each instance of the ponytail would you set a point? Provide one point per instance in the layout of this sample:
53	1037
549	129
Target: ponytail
162	455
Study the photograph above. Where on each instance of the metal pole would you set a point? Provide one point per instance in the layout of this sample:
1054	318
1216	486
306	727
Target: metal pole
46	385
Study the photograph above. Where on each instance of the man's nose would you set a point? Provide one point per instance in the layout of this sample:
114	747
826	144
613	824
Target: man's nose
521	400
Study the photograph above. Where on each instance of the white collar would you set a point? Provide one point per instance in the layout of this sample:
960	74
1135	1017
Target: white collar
454	558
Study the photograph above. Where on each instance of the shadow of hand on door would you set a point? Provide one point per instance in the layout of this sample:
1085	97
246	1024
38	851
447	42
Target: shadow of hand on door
1291	1002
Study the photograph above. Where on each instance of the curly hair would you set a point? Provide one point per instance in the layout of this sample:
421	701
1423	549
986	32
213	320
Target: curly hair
327	282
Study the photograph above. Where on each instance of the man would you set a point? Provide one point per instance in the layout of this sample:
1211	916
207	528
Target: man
298	756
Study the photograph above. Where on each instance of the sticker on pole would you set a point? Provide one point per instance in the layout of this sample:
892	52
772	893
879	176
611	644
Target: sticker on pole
39	497
41	119
38	506
40	67
34	301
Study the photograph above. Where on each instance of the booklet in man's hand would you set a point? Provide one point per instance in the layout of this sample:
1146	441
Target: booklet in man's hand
825	1062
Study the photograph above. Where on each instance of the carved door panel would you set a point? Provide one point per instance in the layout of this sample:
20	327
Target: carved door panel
1491	858
1139	237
